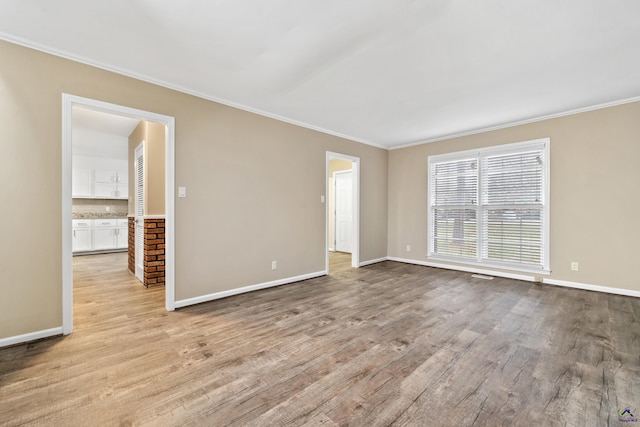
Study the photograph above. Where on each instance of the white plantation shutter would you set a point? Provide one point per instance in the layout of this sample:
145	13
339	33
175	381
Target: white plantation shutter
491	206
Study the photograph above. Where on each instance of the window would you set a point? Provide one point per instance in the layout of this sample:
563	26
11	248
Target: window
491	206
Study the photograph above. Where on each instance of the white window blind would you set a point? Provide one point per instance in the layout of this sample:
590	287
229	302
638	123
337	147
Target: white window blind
491	206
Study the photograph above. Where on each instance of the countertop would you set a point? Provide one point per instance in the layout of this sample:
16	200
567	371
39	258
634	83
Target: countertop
104	215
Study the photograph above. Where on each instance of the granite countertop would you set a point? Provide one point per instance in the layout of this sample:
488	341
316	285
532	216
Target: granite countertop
110	215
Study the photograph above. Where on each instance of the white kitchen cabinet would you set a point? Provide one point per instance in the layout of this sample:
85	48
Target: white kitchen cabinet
110	184
104	234
122	234
82	235
81	180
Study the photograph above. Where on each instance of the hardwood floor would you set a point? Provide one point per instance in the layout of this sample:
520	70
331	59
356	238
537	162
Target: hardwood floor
387	344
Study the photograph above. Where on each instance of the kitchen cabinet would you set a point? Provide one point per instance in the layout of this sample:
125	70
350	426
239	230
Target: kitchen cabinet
100	177
110	184
104	234
81	180
122	234
82	239
100	234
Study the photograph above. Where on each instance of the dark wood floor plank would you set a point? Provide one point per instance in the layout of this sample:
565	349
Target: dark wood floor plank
387	344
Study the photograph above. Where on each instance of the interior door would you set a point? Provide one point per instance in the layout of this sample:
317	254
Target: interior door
343	194
139	212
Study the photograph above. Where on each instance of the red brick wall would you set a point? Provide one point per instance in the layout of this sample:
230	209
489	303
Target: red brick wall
131	250
154	245
154	256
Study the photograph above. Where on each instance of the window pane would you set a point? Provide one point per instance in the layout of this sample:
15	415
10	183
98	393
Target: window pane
455	183
513	235
513	179
454	232
490	205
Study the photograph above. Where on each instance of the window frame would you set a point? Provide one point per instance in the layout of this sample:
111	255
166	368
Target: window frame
542	145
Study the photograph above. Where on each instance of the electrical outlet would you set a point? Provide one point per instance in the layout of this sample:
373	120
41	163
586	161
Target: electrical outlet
274	265
408	248
107	208
575	266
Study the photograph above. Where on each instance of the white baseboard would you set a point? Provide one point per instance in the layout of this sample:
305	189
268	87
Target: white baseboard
231	292
32	336
563	283
372	261
595	288
466	269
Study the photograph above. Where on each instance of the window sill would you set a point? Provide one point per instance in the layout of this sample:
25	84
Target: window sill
490	266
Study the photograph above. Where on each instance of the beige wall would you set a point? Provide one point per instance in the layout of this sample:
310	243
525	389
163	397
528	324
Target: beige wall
240	214
335	165
153	135
594	174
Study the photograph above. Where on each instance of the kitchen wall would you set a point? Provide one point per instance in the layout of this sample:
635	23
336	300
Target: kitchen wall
595	182
153	135
99	208
240	214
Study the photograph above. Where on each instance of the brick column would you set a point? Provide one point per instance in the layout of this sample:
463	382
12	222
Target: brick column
154	256
131	249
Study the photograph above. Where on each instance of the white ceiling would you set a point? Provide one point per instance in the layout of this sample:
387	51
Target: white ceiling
384	72
97	121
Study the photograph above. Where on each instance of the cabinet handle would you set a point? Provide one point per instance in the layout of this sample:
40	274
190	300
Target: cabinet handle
74	233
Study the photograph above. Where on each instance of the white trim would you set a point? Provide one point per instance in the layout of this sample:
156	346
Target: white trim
465	269
594	288
68	102
554	282
154	216
76	58
534	271
162	83
355	169
372	261
32	336
520	122
245	289
478	154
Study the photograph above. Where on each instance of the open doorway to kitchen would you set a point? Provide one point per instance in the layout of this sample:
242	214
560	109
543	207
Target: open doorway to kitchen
343	211
96	187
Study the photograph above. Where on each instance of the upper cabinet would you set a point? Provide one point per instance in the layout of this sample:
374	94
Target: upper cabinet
111	184
99	182
82	183
100	159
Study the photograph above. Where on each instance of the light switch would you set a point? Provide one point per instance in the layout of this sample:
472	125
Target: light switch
182	191
322	199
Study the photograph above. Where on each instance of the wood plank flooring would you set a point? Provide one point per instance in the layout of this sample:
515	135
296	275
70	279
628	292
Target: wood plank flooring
387	344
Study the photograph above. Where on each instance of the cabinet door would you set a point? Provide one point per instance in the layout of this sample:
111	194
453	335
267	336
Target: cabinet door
81	183
81	239
122	238
122	176
102	189
104	176
104	238
123	191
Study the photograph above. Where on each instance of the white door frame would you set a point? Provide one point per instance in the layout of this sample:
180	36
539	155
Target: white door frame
355	249
68	102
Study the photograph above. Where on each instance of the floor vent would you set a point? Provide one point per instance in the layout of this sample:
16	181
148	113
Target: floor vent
482	276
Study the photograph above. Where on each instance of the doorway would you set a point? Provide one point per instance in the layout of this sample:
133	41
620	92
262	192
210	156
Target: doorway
68	104
343	208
